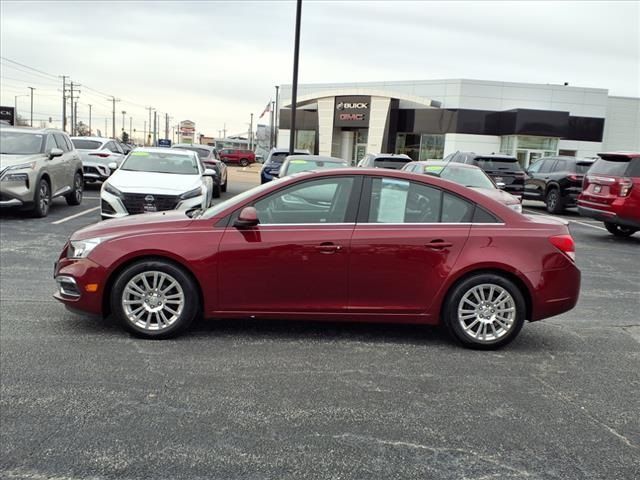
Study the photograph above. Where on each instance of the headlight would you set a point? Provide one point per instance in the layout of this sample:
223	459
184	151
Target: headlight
112	190
30	166
15	177
196	192
516	206
82	248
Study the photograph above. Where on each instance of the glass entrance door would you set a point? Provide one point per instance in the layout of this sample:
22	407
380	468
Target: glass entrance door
360	151
526	156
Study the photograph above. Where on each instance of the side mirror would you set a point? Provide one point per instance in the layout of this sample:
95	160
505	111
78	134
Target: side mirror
501	185
113	166
55	152
210	172
248	218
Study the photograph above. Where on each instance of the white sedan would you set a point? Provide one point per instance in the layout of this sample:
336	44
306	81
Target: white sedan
157	179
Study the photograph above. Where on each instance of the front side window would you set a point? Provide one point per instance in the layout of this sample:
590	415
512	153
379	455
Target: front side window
535	167
317	201
561	166
60	141
51	143
547	165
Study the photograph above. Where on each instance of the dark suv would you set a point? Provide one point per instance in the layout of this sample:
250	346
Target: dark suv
611	192
556	181
504	170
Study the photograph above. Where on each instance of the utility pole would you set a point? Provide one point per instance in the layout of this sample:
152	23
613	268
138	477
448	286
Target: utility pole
275	133
89	119
64	102
166	126
144	134
130	128
75	116
105	126
113	117
294	84
271	126
224	130
155	128
32	89
71	105
123	114
147	140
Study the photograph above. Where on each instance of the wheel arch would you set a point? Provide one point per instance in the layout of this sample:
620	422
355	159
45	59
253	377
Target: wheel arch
509	275
551	186
108	287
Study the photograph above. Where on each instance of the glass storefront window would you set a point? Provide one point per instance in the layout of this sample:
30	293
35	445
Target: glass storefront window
306	140
420	147
537	143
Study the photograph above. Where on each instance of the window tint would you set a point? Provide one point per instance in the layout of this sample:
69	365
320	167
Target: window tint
583	167
634	168
535	167
456	210
86	144
617	167
547	165
62	145
400	201
318	201
480	215
561	166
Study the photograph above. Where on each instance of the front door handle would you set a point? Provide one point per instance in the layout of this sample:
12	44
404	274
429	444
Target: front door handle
439	244
328	247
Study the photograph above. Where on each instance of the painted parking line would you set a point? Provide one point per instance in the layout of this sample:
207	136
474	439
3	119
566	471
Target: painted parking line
71	217
565	219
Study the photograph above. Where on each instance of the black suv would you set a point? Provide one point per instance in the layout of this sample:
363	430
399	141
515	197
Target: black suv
557	181
504	170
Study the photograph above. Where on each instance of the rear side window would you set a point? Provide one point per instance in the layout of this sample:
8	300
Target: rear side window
455	209
634	168
617	168
561	166
480	215
547	165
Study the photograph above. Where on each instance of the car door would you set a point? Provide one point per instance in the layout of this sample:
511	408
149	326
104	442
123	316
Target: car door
405	243
296	259
59	166
540	179
531	183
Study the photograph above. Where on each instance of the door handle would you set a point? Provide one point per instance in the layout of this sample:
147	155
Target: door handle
439	244
328	247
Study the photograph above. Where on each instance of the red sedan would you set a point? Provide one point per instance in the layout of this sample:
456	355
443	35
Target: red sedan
349	244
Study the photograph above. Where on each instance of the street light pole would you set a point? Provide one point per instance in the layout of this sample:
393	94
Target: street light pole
130	128
251	133
31	120
123	114
294	86
89	119
275	134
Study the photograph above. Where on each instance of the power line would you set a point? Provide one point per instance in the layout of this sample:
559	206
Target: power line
26	72
30	68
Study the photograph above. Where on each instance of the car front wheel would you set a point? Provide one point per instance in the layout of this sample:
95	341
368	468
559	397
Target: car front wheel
42	199
485	311
619	230
244	162
154	299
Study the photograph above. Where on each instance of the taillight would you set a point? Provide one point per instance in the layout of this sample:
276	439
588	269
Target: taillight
585	182
574	178
565	244
625	187
101	155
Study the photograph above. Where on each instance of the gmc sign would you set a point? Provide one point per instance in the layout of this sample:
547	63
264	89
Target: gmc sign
352	111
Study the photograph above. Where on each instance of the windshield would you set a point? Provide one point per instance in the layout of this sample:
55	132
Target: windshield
21	143
155	162
296	166
202	152
469	177
506	164
238	199
391	162
82	144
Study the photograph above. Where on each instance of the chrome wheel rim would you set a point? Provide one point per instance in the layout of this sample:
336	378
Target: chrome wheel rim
78	188
552	200
487	312
44	196
153	300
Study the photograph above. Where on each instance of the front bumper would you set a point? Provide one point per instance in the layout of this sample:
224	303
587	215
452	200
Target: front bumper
112	206
81	284
17	189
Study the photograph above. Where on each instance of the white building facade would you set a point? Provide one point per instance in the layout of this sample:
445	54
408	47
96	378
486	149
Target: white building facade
432	118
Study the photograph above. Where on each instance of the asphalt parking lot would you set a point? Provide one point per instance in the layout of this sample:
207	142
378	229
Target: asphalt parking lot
80	398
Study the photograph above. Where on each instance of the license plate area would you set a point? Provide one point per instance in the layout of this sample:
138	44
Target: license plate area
149	207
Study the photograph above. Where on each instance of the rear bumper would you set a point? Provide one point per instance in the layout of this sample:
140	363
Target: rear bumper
606	216
555	292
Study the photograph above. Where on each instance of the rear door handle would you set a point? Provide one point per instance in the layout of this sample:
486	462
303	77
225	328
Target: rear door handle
328	247
439	244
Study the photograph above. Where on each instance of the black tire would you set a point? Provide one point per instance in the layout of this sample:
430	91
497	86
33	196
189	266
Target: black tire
223	187
619	230
42	199
188	289
244	162
216	191
554	201
75	196
465	287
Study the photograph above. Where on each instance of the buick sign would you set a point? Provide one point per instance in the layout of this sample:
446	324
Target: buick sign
352	105
7	115
352	111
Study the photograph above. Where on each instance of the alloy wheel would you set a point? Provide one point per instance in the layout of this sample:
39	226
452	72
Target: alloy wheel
44	197
77	188
153	300
487	312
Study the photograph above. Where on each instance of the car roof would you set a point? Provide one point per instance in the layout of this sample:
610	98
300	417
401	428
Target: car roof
320	158
286	150
440	163
395	155
30	129
96	139
619	154
192	145
186	153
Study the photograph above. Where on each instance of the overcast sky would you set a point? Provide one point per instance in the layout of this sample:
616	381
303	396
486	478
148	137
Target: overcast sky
217	62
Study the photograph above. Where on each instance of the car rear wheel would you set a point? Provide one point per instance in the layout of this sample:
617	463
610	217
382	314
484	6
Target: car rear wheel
554	201
244	162
485	311
75	196
619	230
216	191
154	299
223	187
42	199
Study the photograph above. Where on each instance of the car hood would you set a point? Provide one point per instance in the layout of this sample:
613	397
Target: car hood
155	183
500	195
135	224
7	160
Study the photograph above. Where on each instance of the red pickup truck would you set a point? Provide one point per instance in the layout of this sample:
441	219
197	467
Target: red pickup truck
235	155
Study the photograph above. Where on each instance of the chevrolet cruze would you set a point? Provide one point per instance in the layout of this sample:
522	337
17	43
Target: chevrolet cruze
350	244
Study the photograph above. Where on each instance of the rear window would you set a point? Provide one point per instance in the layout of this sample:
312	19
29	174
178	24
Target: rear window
86	144
503	164
202	153
582	167
390	162
617	167
278	157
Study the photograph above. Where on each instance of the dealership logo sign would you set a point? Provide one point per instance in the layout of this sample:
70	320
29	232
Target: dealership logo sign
351	116
352	105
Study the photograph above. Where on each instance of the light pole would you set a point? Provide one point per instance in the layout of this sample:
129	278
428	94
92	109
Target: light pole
89	119
15	105
130	128
294	86
31	120
275	134
123	114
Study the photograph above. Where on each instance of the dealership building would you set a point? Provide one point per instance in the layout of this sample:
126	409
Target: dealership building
430	119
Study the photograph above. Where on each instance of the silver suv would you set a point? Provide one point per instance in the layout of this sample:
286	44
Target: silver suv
37	166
